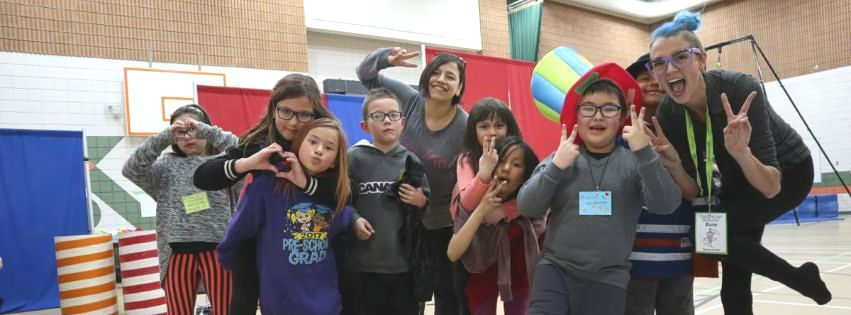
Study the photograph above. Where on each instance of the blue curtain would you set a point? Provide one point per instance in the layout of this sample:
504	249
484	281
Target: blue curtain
43	195
348	110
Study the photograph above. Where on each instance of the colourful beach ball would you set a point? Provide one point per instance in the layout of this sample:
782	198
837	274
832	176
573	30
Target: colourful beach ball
553	76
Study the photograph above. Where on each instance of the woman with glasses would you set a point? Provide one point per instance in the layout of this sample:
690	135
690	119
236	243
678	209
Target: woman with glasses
434	131
721	121
295	100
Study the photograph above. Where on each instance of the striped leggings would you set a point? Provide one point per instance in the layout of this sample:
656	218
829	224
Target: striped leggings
181	281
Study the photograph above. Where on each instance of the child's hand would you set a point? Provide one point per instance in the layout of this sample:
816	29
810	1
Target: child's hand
489	159
363	230
737	133
635	134
567	151
399	55
667	154
295	174
490	201
260	160
412	196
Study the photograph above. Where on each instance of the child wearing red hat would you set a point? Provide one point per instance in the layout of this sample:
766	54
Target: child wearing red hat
595	190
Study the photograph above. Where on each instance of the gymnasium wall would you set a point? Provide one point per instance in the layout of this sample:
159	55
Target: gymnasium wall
249	34
598	37
494	21
58	71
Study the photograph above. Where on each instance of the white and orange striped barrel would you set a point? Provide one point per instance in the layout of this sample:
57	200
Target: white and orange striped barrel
140	273
86	269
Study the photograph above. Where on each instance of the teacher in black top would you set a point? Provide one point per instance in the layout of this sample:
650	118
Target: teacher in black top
762	167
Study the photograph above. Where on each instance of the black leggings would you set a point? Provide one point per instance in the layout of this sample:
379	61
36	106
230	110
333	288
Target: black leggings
745	253
246	285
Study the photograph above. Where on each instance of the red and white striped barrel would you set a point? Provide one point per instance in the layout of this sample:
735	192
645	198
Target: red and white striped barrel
140	273
86	269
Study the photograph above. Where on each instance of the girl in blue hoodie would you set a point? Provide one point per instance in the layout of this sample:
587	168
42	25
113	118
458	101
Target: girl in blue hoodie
295	264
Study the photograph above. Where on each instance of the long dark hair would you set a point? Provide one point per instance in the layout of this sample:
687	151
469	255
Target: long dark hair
200	115
485	109
507	145
293	85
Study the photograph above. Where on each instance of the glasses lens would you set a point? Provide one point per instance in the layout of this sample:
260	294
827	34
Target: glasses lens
610	110
305	116
682	59
285	113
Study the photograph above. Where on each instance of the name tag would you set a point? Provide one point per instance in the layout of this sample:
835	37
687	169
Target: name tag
196	202
711	233
595	203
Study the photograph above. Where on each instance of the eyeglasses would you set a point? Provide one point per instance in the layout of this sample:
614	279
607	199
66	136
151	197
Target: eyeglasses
287	114
379	116
607	110
680	60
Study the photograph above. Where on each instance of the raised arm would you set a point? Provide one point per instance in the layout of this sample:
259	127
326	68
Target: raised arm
537	193
757	159
464	235
382	58
139	167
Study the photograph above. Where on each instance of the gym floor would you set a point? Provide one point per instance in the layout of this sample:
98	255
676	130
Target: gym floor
828	244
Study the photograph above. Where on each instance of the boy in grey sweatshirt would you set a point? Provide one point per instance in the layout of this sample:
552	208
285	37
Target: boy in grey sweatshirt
595	193
378	255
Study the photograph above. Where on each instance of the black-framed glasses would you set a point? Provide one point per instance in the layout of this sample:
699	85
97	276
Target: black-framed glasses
607	110
679	59
379	116
287	114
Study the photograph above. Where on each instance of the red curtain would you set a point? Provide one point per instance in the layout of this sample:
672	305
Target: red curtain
539	132
508	80
233	109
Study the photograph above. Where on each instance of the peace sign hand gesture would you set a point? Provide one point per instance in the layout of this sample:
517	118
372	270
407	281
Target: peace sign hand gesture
737	133
567	151
488	160
635	133
399	56
667	154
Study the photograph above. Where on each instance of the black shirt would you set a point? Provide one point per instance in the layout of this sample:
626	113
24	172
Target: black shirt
773	142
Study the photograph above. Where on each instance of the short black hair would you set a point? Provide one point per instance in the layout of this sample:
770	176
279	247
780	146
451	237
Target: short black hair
607	87
439	60
377	94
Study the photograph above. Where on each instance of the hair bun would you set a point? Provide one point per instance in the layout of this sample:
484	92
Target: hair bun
688	20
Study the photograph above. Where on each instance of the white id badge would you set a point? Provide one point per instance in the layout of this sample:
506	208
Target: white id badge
710	231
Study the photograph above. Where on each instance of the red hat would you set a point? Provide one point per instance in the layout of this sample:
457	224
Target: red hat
606	71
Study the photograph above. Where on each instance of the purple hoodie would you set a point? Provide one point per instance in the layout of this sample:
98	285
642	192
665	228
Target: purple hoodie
294	258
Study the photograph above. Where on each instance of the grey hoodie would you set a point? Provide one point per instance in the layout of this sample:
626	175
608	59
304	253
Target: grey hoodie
597	248
371	172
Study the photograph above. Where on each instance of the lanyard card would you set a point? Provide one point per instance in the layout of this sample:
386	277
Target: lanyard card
196	202
710	233
595	203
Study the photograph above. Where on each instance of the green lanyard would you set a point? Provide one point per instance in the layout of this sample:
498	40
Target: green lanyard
710	155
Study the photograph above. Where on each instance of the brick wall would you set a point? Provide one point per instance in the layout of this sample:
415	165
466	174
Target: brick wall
596	36
494	24
249	34
795	35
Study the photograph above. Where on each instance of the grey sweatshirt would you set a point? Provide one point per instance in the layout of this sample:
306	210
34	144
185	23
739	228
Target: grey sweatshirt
167	178
371	172
597	248
437	149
